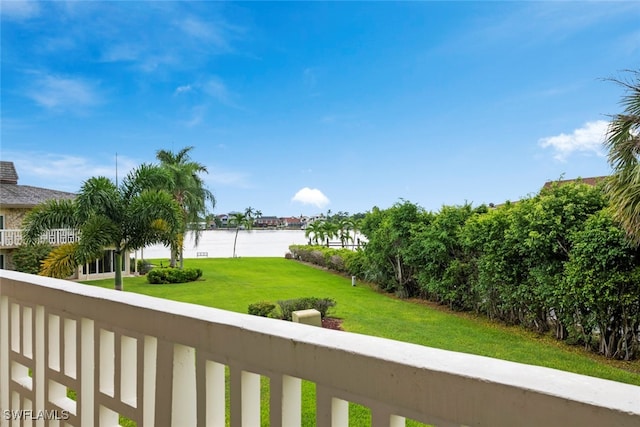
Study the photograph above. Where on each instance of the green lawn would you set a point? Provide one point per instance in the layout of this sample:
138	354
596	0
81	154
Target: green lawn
233	284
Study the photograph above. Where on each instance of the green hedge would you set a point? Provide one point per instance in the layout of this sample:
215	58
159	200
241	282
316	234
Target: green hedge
173	275
263	308
341	260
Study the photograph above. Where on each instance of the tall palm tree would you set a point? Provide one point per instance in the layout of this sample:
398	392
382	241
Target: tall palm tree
243	220
189	190
623	143
123	218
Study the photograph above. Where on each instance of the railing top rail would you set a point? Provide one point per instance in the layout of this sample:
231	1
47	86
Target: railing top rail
417	379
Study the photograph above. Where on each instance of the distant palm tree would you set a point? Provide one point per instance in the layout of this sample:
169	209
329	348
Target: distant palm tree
345	225
123	218
316	229
244	220
623	143
190	192
330	230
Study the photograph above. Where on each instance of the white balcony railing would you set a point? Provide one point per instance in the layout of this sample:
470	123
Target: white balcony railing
56	237
161	362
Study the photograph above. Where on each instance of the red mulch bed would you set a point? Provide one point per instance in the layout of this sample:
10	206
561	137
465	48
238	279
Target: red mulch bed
332	323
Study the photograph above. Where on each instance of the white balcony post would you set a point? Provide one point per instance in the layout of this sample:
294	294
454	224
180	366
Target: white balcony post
184	409
4	352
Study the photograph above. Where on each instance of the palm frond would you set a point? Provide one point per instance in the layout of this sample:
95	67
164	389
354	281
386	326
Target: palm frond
98	195
61	262
623	143
49	215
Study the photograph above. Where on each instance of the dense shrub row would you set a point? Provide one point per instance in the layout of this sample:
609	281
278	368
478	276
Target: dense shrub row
173	275
342	260
287	307
555	261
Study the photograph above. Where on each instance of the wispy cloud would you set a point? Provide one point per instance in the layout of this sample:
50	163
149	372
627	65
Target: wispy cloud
215	32
213	87
311	196
530	23
19	9
218	176
65	172
63	93
183	89
587	139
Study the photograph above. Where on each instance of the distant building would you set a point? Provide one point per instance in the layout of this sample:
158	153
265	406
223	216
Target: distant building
267	222
16	200
292	222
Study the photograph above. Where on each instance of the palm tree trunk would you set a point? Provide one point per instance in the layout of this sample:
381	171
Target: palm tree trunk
234	242
118	268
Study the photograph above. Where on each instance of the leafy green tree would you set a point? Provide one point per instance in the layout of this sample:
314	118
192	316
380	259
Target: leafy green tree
389	234
623	144
189	191
498	263
443	266
601	290
124	218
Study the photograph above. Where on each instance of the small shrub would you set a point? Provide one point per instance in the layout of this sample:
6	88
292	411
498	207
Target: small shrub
144	266
263	308
159	276
287	307
28	258
288	255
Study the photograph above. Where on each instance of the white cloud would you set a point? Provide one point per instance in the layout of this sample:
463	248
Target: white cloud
587	139
61	93
311	196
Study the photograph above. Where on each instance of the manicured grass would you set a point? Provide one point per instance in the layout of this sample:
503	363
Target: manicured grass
233	284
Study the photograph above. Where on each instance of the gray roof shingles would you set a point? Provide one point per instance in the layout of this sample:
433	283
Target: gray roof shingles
27	196
14	195
8	173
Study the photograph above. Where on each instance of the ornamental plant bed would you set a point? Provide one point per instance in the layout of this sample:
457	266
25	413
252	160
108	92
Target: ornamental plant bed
332	323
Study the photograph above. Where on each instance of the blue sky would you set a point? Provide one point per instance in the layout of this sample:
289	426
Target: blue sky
297	108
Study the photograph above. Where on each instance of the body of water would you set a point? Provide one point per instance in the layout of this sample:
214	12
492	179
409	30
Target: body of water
219	244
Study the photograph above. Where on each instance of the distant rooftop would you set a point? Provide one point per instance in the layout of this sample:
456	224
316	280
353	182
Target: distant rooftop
594	180
8	174
18	196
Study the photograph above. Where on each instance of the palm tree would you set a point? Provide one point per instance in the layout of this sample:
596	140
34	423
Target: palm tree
244	220
189	191
126	217
329	230
315	228
623	143
345	225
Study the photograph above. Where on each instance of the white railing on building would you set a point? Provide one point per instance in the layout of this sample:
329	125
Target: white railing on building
160	362
55	237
